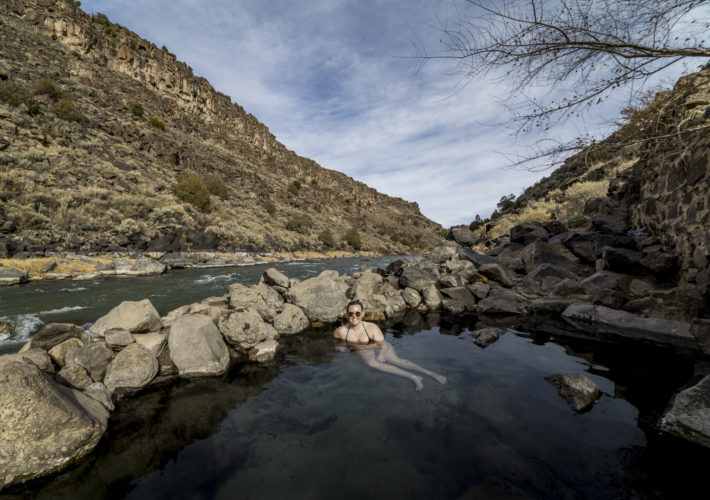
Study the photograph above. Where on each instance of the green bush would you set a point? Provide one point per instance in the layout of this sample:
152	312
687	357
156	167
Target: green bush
137	109
14	94
157	123
102	19
326	237
190	189
577	221
65	110
269	206
216	186
46	87
300	224
352	238
294	187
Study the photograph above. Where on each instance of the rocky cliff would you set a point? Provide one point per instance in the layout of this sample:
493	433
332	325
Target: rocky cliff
99	127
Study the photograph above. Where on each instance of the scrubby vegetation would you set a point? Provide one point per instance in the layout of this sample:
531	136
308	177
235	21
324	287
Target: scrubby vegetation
269	206
157	123
216	186
15	94
300	223
326	237
294	187
46	87
191	189
66	110
352	238
137	109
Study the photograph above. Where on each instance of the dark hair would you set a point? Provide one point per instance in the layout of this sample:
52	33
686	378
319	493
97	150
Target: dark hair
355	303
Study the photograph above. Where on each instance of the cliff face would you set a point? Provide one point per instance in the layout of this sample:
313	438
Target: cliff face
107	181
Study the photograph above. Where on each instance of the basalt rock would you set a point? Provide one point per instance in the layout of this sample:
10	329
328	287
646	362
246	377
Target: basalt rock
55	333
688	416
321	298
136	317
197	348
578	390
133	368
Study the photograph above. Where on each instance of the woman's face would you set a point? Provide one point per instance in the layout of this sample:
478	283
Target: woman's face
354	314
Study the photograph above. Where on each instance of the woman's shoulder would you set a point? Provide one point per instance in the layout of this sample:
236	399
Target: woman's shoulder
340	332
372	327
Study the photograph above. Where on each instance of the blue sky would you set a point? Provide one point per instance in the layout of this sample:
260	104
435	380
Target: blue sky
336	81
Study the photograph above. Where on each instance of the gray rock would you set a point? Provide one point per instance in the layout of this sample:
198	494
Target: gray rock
146	266
45	426
478	259
133	368
136	317
12	276
118	338
567	286
486	336
153	341
456	266
606	320
395	304
98	392
6	329
504	302
609	224
432	297
603	281
528	232
263	351
462	235
444	251
550	305
546	276
93	357
59	352
73	376
589	246
479	290
55	333
273	277
459	294
700	329
290	320
262	298
366	285
411	297
40	358
451	281
496	273
688	416
414	277
244	329
453	306
578	390
197	347
538	252
321	298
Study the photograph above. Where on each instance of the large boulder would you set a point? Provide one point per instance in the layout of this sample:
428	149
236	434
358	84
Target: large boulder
196	347
539	252
244	329
603	319
478	259
432	297
273	277
321	298
290	320
486	336
93	357
40	358
528	232
444	251
589	246
263	351
74	376
419	279
462	235
43	426
12	276
262	298
545	276
689	416
136	317
55	333
578	390
145	266
59	352
133	368
496	272
503	302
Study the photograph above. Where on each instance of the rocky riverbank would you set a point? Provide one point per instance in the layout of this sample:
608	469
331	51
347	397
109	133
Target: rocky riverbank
82	267
68	379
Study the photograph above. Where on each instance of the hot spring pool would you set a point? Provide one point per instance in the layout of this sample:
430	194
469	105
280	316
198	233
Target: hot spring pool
320	424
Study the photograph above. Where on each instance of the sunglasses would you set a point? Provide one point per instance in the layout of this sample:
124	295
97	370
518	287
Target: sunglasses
354	313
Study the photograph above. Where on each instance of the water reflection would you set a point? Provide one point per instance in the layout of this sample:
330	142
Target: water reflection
317	423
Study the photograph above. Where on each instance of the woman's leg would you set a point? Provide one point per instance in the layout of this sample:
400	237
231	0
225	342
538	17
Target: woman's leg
369	358
388	355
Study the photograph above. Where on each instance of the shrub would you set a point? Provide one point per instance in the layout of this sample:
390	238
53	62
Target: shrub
46	87
294	187
14	94
65	110
102	19
509	204
300	223
269	206
157	123
352	238
477	223
137	109
326	237
216	186
190	188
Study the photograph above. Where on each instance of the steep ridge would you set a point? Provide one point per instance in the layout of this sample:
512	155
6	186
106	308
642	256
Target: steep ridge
105	179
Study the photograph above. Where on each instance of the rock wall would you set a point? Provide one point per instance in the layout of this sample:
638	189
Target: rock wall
668	192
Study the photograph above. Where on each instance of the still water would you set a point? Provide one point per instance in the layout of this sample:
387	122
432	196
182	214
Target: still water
319	424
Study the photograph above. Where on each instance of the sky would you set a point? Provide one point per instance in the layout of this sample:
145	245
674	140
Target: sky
338	81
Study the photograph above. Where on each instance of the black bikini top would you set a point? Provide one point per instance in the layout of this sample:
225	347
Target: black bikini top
371	340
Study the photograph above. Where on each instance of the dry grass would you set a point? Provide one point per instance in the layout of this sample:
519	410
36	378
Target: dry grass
35	268
560	205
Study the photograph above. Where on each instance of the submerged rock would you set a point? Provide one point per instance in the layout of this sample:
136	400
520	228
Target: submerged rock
486	336
44	426
689	416
578	390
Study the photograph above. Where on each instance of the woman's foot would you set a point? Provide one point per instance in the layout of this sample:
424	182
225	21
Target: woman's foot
439	378
417	382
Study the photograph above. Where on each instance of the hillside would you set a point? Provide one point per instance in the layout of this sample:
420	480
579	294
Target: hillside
107	142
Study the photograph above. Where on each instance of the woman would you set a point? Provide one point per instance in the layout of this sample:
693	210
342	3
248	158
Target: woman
367	339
